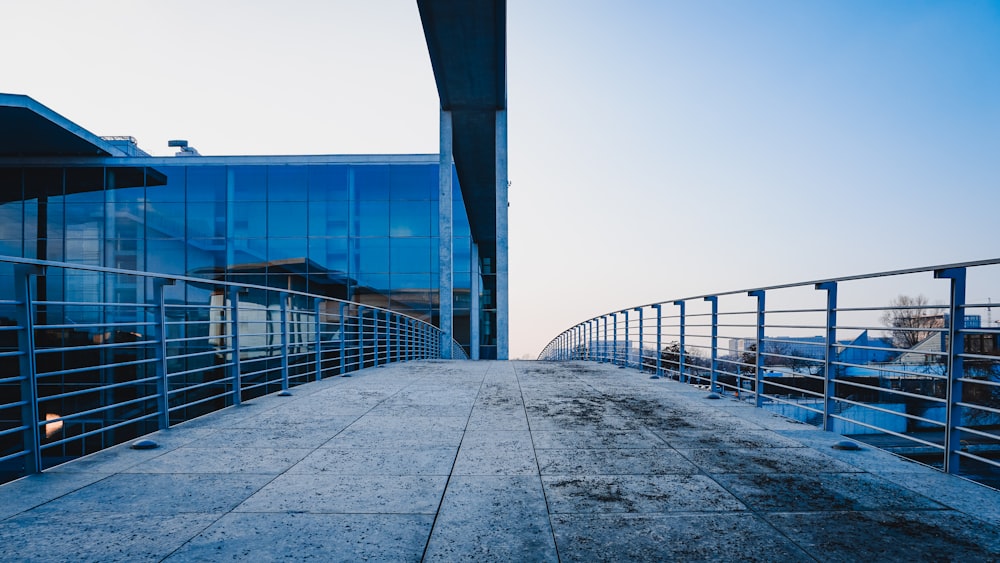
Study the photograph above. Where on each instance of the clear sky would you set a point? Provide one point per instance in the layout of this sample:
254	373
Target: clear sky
658	149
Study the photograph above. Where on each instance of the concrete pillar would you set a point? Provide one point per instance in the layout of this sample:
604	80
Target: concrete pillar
503	327
445	245
474	305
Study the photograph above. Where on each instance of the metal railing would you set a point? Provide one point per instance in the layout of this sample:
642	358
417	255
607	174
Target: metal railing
144	351
908	360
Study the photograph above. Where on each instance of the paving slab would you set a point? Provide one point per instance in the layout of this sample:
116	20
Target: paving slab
496	461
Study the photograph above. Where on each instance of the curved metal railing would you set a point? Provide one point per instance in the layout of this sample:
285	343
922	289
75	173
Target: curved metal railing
907	360
91	357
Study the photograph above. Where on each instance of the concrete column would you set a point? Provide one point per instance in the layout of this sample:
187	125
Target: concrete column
474	305
445	246
503	327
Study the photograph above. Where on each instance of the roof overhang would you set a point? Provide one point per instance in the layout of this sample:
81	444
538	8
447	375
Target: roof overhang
467	42
31	129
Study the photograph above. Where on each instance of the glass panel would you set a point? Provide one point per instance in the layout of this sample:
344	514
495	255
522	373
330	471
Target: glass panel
462	253
125	184
329	254
173	190
371	182
286	219
413	181
286	183
124	220
84	185
410	218
371	219
84	220
328	218
328	182
164	220
206	220
410	255
206	183
373	254
459	218
206	257
165	256
403	282
249	219
287	250
249	183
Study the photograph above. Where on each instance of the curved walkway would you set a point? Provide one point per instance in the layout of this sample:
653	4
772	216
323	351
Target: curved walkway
495	461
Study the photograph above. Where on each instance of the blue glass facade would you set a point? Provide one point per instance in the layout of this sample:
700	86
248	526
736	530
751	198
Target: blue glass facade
363	230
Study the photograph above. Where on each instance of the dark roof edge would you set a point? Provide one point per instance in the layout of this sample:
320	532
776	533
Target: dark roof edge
101	147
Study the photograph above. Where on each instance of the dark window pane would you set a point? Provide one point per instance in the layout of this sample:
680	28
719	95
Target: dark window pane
165	220
173	190
410	255
38	183
125	184
286	219
206	220
286	183
85	185
373	255
206	183
287	250
410	218
371	182
329	254
328	218
413	181
249	219
328	182
249	183
371	219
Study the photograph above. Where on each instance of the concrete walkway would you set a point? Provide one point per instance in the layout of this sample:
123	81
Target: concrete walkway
495	461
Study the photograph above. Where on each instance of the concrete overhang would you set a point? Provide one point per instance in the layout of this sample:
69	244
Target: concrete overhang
467	42
31	129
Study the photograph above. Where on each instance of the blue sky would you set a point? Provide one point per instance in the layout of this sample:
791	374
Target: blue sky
658	149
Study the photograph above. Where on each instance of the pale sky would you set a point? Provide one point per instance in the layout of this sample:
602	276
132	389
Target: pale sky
657	149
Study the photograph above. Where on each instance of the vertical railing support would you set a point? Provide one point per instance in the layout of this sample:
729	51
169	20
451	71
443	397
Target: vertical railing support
639	309
388	337
680	353
758	368
30	419
604	344
628	346
318	311
236	373
343	340
284	341
830	354
956	368
659	340
614	341
162	379
714	300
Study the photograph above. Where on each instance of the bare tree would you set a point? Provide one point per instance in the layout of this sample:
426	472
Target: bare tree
910	320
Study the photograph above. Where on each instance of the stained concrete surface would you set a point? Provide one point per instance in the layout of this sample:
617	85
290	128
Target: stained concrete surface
495	461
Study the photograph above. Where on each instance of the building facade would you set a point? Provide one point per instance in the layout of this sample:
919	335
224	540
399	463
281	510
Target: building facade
362	228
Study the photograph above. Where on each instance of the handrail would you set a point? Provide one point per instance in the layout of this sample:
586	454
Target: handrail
863	355
81	375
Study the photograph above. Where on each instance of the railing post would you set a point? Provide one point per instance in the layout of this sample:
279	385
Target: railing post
162	380
640	337
361	337
318	309
604	345
236	375
758	369
343	340
680	353
388	336
714	300
659	339
628	346
614	341
829	355
284	341
30	419
956	369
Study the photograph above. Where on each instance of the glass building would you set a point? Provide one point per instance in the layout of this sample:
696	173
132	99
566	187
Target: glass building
361	228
